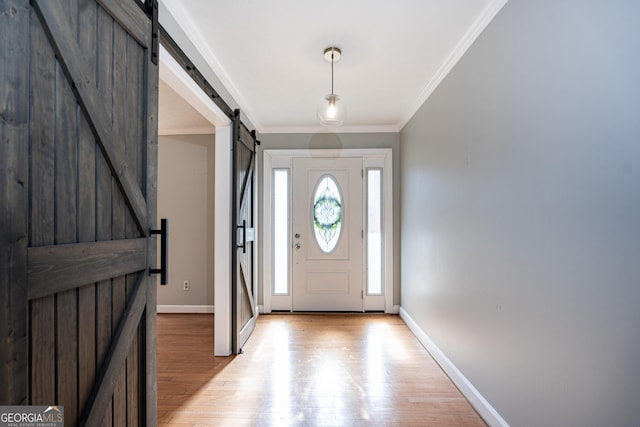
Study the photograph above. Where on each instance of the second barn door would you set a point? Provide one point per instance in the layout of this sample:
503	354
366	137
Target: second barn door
244	290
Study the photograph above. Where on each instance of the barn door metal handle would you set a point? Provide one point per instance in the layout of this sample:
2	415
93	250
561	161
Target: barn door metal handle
164	253
244	236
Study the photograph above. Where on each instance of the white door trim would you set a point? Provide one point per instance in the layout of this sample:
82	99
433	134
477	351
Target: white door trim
223	202
172	74
282	159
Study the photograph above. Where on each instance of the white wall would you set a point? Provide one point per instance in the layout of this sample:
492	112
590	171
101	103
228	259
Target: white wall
521	214
185	197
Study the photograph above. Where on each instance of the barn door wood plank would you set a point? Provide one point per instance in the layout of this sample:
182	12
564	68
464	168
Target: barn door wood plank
104	76
103	339
66	353
135	113
118	224
66	326
246	138
133	379
86	341
73	62
247	288
130	17
42	332
86	36
42	141
148	339
248	176
66	158
119	393
14	181
62	267
87	22
115	359
42	187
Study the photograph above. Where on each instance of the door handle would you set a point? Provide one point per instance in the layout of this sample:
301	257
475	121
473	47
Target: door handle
297	246
244	236
164	253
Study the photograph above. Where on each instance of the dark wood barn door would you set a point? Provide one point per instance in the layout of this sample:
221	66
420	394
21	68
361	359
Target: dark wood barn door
243	292
78	154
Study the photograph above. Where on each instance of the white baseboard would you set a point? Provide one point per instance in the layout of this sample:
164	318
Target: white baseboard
484	408
185	309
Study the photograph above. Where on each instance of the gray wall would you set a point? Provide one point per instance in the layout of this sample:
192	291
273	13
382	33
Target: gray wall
338	141
521	213
185	198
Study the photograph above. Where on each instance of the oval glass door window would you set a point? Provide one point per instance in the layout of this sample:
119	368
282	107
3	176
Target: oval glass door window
327	213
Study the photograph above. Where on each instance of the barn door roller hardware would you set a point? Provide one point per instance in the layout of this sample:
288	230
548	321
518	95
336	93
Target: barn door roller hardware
164	246
151	9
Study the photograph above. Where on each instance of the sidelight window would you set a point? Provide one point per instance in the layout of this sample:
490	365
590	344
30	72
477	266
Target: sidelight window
374	231
281	231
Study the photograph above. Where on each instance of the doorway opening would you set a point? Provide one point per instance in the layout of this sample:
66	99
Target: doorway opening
174	76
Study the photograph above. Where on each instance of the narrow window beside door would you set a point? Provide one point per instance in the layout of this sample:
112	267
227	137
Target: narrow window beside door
281	232
374	232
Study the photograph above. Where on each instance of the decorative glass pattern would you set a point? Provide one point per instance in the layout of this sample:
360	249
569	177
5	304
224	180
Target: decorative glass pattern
327	213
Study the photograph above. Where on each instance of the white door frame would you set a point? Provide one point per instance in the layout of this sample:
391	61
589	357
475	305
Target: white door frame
283	159
178	79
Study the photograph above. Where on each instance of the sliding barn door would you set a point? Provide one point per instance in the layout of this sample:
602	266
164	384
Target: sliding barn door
244	291
78	154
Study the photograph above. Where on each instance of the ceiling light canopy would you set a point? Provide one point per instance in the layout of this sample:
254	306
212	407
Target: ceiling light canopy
331	110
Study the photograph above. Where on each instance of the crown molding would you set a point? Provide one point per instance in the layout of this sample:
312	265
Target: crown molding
184	21
478	26
323	129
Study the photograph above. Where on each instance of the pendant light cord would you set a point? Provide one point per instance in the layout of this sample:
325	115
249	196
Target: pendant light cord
332	71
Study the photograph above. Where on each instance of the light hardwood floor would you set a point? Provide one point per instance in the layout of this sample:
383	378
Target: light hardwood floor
301	369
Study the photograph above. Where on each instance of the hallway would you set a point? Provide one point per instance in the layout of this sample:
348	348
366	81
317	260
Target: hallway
329	370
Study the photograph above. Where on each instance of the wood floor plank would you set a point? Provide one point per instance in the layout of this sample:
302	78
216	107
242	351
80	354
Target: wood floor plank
330	370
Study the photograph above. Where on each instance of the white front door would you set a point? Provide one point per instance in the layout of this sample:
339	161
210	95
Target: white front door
327	234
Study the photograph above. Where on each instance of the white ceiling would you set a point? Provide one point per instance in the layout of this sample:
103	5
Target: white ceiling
268	54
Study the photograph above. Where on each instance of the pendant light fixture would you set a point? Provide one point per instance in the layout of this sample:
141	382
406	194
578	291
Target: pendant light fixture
331	110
